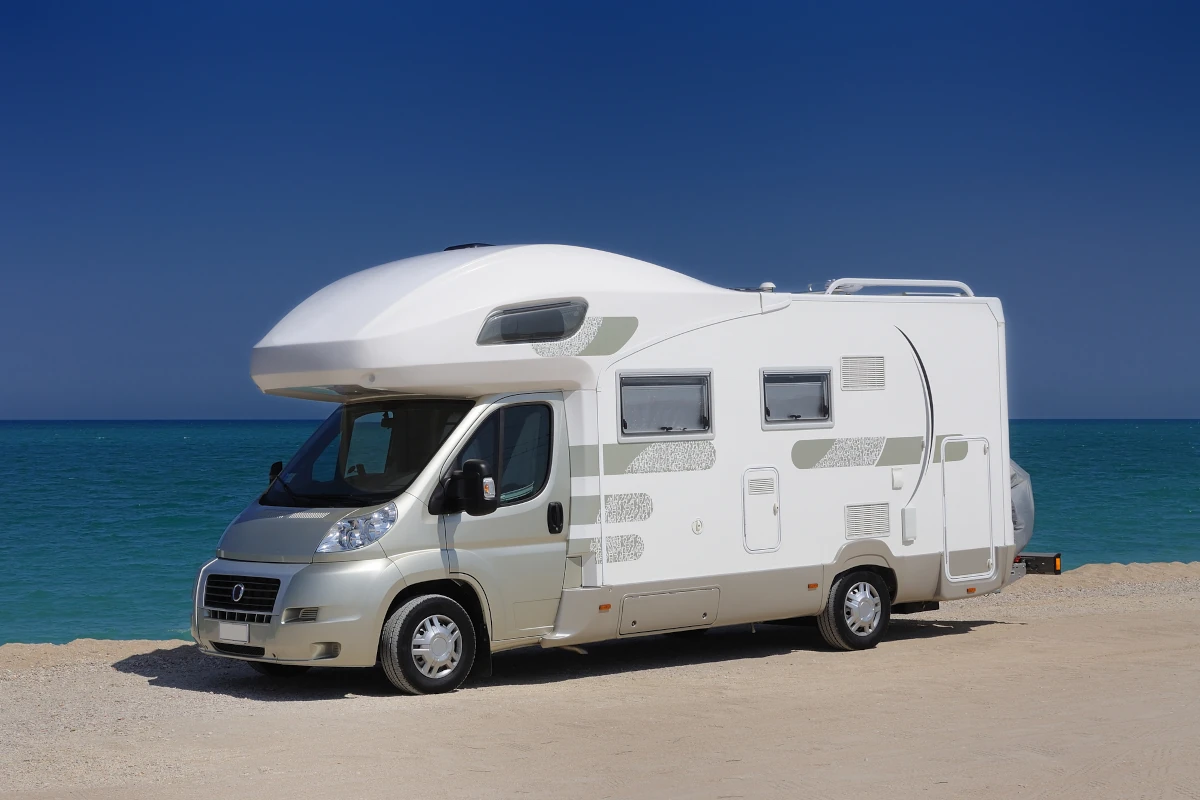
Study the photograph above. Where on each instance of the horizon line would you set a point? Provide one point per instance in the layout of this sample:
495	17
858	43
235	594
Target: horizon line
318	419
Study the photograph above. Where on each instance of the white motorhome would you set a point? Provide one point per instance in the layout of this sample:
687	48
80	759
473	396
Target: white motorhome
550	445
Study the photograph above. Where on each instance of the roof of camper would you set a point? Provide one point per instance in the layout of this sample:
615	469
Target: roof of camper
412	326
408	293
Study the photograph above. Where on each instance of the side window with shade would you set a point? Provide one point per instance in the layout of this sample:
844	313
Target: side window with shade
666	405
796	399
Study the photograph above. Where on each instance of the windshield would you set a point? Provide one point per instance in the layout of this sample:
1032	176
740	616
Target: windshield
366	453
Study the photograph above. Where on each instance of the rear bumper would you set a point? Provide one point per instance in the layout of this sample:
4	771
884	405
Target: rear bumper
351	598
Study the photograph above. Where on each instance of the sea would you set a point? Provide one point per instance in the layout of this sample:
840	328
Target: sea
106	523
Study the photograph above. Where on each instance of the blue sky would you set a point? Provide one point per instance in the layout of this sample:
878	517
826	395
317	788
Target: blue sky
175	177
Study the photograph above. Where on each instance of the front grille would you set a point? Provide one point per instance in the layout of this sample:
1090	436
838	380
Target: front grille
238	649
236	616
257	594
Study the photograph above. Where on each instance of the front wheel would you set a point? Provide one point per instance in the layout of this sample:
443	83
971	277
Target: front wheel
428	645
858	612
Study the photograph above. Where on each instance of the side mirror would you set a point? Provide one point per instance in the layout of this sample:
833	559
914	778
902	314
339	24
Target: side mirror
276	468
479	488
471	490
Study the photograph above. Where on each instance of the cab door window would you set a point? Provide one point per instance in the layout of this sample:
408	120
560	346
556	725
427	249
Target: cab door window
515	441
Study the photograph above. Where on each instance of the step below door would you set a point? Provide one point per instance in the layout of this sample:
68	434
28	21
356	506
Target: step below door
760	509
967	508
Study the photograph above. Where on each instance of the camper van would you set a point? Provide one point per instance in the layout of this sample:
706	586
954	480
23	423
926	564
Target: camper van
550	445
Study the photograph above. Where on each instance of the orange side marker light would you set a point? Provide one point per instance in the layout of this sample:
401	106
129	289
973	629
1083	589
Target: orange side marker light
971	590
605	606
812	586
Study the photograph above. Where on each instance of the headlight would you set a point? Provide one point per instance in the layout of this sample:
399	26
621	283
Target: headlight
355	532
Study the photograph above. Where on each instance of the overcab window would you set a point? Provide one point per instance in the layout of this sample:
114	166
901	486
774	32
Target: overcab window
795	399
653	405
542	323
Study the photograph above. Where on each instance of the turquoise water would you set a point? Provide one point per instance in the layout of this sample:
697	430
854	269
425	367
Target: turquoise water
107	522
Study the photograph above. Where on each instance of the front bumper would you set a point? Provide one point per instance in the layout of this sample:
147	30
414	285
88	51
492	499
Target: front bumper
351	598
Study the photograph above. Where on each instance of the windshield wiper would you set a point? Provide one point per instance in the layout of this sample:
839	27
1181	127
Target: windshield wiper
279	482
357	499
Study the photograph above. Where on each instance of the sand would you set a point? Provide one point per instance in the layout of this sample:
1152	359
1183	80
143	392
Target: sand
1085	685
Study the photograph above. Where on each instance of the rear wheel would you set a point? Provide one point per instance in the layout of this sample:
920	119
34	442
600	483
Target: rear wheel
428	645
858	612
274	670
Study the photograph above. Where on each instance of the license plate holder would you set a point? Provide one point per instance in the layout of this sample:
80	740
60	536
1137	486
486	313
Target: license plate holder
238	632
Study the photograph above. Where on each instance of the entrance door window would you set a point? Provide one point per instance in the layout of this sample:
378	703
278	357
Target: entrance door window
516	442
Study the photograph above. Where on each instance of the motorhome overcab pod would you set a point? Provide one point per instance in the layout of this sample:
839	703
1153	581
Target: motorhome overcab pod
552	445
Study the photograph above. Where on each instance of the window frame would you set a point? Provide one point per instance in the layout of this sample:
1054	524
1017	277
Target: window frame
793	425
538	305
497	470
666	436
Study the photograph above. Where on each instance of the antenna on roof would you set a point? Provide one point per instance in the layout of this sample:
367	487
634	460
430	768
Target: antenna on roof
466	246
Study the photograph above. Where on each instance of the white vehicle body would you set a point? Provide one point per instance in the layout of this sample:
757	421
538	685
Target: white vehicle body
743	519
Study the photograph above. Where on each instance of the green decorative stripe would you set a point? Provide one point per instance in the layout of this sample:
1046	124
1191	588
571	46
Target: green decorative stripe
614	333
865	451
631	507
955	451
585	510
638	459
901	450
807	452
585	460
618	457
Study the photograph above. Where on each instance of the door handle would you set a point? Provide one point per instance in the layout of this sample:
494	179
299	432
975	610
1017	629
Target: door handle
554	517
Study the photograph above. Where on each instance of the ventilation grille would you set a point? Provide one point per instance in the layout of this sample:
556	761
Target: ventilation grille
862	373
870	519
238	649
299	615
237	616
308	515
761	486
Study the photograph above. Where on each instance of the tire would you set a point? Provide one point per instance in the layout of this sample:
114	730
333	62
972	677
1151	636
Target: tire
273	670
842	625
427	623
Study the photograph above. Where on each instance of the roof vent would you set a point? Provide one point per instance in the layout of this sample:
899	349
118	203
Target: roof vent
467	246
766	286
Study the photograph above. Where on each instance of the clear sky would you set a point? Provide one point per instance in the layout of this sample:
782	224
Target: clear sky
174	177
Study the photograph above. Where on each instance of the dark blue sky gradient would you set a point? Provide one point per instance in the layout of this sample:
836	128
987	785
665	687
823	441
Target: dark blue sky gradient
175	177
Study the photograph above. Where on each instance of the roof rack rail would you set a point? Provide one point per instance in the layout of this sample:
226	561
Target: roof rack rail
852	285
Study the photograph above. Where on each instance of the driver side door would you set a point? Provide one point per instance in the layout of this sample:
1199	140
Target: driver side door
513	552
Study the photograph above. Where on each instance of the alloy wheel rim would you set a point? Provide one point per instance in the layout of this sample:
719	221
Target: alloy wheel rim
863	608
436	646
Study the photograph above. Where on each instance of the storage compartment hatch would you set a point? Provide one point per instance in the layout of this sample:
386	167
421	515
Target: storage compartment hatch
664	611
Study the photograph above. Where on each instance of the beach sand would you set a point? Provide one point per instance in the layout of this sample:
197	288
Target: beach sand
1084	685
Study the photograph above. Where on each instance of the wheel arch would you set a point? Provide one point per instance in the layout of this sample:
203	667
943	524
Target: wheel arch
867	556
462	591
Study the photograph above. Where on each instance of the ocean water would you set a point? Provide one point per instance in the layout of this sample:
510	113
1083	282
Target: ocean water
106	523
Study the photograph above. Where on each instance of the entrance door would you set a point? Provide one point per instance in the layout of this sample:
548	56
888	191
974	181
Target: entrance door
513	552
967	508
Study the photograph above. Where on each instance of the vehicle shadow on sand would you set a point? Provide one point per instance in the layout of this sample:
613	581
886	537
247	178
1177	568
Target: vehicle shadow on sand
734	643
186	668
